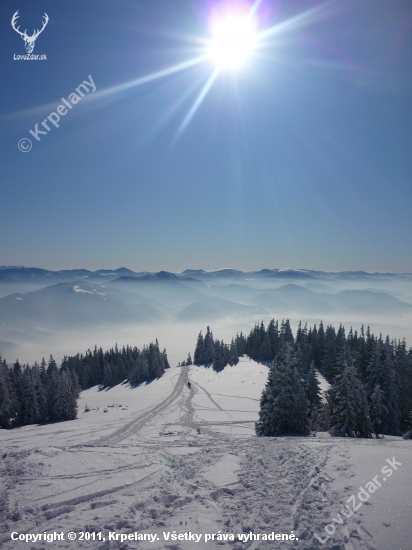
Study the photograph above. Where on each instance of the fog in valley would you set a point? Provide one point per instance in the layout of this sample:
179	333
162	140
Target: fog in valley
67	312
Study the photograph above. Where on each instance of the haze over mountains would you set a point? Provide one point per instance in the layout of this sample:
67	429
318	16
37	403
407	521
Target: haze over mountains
38	304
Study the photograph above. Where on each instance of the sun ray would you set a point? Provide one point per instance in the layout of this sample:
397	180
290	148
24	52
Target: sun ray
118	88
198	102
171	111
254	9
302	20
150	77
232	42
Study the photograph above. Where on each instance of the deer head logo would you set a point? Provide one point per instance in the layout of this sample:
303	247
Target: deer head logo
29	41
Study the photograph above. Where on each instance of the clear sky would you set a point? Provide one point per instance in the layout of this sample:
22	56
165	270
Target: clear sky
301	158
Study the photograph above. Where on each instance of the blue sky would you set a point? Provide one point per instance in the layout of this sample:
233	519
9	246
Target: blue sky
300	159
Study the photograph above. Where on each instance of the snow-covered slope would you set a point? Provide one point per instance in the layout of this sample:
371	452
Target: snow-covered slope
143	467
324	384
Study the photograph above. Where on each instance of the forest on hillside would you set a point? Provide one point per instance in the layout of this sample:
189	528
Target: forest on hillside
370	378
48	393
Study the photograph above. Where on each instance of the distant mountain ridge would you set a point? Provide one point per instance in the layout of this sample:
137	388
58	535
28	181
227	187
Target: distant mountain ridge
19	272
40	298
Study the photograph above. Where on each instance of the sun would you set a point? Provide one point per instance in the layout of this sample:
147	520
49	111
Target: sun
232	43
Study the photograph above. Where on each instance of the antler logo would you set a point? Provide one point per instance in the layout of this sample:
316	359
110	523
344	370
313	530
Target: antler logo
29	41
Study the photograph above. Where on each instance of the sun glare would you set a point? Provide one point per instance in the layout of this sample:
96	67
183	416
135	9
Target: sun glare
232	42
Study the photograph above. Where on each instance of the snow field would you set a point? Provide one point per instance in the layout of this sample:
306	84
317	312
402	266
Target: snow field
142	466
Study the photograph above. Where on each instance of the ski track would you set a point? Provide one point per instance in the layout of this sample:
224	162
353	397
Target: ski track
281	486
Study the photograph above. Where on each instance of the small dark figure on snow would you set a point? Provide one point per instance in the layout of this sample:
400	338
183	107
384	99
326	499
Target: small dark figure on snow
189	385
198	430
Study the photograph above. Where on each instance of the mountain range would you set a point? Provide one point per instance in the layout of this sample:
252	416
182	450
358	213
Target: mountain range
34	299
67	298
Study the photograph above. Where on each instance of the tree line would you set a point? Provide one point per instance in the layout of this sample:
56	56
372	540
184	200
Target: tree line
214	352
370	379
38	393
45	392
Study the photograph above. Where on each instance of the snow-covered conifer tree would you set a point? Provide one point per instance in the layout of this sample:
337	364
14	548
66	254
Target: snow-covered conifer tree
107	375
329	356
165	359
209	347
403	367
375	370
283	405
233	353
135	374
8	397
63	402
40	392
377	410
30	412
219	355
319	346
52	366
350	416
119	371
51	391
286	334
391	422
199	355
265	351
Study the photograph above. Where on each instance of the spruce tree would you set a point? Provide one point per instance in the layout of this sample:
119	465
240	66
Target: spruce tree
273	333
377	410
119	371
40	393
85	376
350	416
156	361
265	350
62	407
391	422
253	344
283	406
107	375
30	412
15	376
209	347
51	390
340	341
130	368
43	372
52	366
219	355
363	425
286	334
143	367
375	369
403	367
240	341
233	354
95	369
136	375
320	350
199	356
330	357
8	397
165	360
